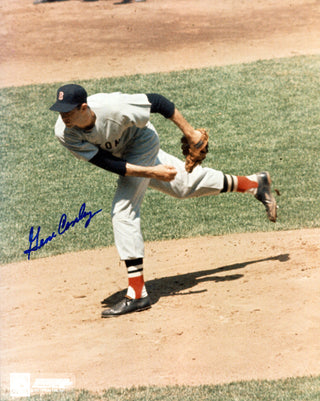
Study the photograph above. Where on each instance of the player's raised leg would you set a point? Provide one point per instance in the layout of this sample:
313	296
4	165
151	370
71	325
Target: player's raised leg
205	181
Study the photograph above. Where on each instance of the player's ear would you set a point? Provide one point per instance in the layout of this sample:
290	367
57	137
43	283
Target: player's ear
84	107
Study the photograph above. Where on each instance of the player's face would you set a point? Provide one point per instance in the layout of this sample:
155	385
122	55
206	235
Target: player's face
71	118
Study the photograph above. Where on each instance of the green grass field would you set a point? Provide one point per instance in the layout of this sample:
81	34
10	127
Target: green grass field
291	389
263	115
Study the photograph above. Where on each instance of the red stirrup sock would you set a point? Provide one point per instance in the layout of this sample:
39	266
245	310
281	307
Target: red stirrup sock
136	286
240	183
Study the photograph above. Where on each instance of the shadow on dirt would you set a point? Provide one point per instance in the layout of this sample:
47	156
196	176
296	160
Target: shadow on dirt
175	285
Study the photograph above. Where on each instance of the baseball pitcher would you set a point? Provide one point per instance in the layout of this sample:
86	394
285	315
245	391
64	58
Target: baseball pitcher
113	131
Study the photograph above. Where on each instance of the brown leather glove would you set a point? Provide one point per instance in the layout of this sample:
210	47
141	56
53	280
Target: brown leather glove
193	156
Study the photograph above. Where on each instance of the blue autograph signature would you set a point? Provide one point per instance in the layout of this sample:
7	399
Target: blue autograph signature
35	242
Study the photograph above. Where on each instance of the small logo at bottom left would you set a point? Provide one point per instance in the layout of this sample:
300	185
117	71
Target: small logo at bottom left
20	384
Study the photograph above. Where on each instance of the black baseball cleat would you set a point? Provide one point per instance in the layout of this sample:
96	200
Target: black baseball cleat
127	305
265	196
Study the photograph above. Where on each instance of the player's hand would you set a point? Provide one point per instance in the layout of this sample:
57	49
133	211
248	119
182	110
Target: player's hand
164	173
195	140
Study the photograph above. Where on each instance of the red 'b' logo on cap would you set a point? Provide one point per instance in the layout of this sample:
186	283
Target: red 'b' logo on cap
61	94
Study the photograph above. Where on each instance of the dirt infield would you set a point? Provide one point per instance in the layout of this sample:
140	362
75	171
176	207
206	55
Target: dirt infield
250	307
78	40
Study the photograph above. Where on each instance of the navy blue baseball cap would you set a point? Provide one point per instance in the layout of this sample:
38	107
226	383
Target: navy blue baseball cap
69	97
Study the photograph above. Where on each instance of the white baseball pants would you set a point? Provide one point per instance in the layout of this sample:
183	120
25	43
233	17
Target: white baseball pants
144	150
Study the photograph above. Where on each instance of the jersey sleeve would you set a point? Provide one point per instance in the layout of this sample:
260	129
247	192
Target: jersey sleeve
135	110
107	161
80	148
161	105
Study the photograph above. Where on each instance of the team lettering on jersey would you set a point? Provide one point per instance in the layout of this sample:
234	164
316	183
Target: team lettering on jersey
108	144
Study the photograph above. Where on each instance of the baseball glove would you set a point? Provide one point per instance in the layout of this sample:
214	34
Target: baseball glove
194	157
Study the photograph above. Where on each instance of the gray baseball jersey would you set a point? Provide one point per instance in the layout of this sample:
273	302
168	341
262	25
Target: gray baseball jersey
118	118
